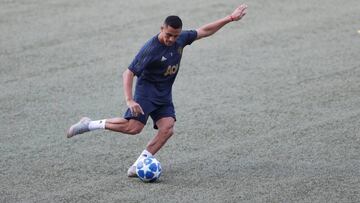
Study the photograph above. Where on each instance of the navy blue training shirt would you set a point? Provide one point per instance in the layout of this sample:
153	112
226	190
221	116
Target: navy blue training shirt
156	66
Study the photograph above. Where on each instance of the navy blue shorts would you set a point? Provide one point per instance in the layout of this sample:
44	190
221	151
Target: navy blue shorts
155	111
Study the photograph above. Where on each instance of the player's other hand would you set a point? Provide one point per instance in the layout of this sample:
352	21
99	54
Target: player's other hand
135	108
239	12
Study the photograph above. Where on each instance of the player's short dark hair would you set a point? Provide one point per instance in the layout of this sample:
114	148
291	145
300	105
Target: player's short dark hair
173	21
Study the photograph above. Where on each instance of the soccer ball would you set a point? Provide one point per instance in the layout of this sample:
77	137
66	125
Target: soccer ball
148	169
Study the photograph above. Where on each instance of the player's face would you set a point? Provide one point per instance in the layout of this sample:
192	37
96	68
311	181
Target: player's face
169	35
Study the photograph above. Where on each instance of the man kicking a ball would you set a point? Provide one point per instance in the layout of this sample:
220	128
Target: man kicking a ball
155	66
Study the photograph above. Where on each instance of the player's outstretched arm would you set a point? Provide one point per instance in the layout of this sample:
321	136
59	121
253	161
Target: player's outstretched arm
211	28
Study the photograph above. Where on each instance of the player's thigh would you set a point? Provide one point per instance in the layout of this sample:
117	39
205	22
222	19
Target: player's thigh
165	116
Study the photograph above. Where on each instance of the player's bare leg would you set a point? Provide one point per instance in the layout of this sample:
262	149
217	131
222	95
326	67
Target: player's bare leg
122	125
166	130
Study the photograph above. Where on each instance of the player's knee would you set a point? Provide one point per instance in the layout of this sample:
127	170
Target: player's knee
168	131
134	130
134	127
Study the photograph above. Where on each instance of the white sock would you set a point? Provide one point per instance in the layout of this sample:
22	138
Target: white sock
143	155
99	124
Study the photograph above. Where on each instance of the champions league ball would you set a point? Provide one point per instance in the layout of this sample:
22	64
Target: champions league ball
148	169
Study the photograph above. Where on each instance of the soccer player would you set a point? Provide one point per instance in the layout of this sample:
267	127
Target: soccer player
155	66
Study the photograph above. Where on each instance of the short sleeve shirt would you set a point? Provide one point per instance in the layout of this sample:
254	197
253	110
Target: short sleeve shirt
156	67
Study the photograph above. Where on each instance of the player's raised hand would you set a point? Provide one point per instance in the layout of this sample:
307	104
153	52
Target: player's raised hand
239	12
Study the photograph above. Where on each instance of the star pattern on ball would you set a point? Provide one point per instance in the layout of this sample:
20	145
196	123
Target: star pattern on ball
148	169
